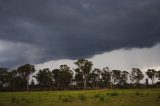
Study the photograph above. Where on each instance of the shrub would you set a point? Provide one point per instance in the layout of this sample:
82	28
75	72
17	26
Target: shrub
114	94
97	95
138	94
101	99
23	98
82	97
14	100
107	93
66	99
69	96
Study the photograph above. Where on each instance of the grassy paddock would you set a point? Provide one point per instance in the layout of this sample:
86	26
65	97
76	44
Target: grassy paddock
107	97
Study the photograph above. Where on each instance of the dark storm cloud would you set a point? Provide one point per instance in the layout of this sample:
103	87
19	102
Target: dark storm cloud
77	28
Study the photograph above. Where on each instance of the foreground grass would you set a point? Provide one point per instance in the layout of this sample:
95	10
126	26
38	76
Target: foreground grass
118	97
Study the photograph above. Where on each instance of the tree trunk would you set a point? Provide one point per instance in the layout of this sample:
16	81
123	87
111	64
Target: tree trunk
93	83
85	83
96	84
13	84
27	87
152	81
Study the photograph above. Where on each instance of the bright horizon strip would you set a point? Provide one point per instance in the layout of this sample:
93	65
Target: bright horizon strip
122	59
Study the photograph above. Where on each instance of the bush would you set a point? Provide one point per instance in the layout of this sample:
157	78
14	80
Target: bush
97	95
101	99
107	93
66	99
23	98
138	94
69	96
82	97
114	94
14	100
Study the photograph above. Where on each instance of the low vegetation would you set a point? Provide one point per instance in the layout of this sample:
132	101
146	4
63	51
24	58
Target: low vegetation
107	97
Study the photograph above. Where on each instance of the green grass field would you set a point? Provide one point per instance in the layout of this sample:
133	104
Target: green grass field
107	97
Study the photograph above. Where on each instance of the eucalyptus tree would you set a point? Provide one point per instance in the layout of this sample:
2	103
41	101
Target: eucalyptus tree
85	67
44	78
26	71
65	76
152	74
56	77
136	75
12	76
78	78
124	77
95	77
106	77
116	76
3	77
158	75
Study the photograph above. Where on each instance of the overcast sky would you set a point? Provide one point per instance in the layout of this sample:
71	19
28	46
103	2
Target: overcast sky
120	34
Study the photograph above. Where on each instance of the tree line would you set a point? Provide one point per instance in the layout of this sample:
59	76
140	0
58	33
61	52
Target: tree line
82	77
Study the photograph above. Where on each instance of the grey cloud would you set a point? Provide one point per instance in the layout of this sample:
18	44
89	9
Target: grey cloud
78	28
16	53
